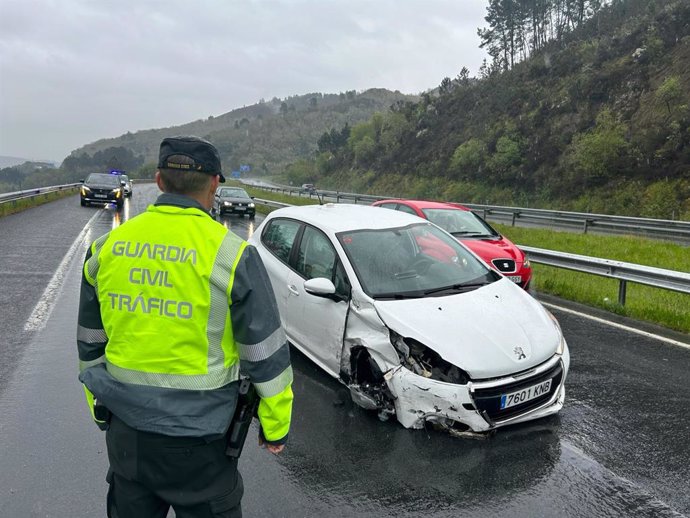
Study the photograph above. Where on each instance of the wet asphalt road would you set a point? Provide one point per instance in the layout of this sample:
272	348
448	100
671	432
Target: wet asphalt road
619	447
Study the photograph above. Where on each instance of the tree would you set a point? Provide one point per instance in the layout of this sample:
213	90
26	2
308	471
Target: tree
599	153
468	157
463	78
670	93
507	157
364	150
446	86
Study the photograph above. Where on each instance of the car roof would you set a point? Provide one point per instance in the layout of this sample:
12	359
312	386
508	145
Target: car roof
425	204
343	217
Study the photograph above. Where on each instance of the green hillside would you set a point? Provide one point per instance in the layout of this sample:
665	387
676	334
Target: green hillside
596	120
267	136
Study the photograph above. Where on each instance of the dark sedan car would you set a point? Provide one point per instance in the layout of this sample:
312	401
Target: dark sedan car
233	200
102	188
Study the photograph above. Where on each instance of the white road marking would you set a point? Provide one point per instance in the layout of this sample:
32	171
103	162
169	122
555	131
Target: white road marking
619	326
46	303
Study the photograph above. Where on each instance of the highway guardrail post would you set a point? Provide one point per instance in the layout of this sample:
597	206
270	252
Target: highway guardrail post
622	289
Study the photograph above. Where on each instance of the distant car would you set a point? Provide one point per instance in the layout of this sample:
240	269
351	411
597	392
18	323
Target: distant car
102	188
127	186
496	250
308	188
411	321
233	200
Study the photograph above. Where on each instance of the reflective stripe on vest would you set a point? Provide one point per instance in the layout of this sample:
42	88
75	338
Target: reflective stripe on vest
164	299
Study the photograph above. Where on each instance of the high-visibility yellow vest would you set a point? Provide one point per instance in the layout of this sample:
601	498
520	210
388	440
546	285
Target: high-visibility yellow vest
163	282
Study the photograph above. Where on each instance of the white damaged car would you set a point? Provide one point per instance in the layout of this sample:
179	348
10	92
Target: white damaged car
410	320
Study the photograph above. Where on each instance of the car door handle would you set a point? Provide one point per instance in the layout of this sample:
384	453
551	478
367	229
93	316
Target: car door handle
293	289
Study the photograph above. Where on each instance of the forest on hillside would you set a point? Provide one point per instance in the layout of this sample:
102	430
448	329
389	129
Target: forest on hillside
266	136
586	112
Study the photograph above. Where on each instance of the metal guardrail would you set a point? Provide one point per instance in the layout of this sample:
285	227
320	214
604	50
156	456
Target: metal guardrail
654	228
271	203
623	272
660	228
31	193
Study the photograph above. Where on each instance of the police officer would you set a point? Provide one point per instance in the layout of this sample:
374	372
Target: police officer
173	306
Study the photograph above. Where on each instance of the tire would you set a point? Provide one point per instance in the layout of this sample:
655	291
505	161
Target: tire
252	215
83	203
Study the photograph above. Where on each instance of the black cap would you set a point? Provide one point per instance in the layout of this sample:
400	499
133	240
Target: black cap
203	154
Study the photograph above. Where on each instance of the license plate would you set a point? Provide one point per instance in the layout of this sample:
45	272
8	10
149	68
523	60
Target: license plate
524	395
240	208
100	195
515	278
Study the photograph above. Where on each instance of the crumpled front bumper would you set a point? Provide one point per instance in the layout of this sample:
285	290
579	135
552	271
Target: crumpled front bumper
419	399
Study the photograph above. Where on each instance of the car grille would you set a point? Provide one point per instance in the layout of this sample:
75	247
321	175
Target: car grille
489	400
504	265
101	191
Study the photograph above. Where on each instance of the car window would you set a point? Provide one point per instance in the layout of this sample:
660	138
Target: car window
417	260
458	222
103	179
316	255
235	193
388	205
405	208
279	237
342	283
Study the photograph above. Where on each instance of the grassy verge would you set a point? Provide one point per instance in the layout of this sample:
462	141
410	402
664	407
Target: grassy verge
667	308
11	207
658	306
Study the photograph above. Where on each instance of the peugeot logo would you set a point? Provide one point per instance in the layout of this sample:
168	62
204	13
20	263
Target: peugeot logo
519	353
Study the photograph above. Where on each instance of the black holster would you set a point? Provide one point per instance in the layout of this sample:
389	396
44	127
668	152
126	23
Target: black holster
246	409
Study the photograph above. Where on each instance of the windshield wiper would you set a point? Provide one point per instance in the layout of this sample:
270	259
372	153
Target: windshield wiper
399	296
457	287
467	233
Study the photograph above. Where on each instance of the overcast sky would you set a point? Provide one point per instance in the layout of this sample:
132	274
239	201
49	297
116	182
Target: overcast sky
74	71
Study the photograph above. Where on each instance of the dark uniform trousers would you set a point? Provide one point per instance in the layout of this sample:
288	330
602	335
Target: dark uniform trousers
149	473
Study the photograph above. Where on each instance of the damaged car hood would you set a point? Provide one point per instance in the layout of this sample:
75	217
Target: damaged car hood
495	330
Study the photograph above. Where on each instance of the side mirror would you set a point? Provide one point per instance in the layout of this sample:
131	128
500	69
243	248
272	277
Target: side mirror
122	182
81	181
319	287
252	197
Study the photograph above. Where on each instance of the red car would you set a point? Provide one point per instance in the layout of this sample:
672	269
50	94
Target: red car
496	250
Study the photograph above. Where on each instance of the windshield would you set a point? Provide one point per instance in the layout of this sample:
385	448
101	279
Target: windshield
103	179
459	222
229	192
414	261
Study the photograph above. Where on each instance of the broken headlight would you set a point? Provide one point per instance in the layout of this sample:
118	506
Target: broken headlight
421	360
